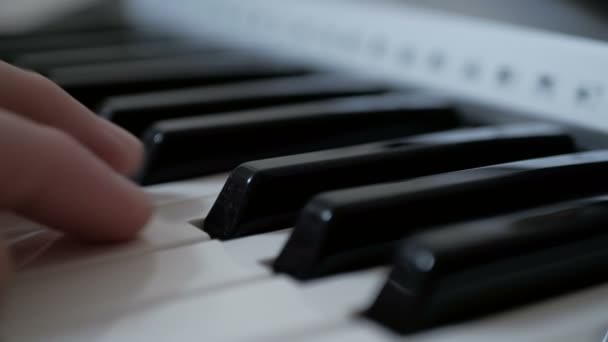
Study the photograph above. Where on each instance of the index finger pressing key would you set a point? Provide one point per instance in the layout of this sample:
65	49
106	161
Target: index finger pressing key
40	100
49	177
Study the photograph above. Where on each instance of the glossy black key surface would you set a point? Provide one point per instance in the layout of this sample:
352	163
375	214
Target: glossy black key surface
475	268
190	147
135	113
92	83
42	61
358	227
266	195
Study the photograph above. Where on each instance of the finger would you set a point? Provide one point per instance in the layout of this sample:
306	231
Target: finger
49	177
39	99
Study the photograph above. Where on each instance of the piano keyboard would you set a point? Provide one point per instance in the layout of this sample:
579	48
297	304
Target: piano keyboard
295	204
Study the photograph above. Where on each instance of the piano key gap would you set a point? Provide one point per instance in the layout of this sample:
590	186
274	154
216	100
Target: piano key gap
198	223
269	262
398	143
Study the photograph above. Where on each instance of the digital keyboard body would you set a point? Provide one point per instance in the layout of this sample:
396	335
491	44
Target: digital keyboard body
345	138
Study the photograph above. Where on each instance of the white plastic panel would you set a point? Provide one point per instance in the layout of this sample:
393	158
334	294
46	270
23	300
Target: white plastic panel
547	74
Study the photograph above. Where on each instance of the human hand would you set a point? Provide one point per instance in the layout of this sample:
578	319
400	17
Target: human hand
63	166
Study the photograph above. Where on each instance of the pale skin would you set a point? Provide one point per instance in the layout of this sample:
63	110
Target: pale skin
63	166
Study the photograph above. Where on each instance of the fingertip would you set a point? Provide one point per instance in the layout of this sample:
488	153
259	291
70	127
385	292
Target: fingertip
66	187
127	152
136	216
133	154
56	108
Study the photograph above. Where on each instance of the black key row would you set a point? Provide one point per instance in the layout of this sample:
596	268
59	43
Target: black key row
189	147
266	195
471	267
476	268
93	83
136	113
333	230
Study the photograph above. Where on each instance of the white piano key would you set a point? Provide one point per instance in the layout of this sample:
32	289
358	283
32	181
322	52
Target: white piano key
45	302
577	317
175	201
185	210
258	248
339	296
261	310
345	294
186	189
355	330
168	228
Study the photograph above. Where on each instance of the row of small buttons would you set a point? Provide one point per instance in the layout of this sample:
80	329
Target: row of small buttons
504	76
378	47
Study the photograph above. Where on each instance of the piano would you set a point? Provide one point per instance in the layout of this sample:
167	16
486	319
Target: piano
336	170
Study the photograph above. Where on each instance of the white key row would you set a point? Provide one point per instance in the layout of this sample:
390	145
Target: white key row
38	248
174	283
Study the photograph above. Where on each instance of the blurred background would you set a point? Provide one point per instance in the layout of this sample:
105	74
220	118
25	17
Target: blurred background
26	15
577	17
585	18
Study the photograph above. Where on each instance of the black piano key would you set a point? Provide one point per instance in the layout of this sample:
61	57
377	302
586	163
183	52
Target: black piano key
190	147
135	113
266	195
358	227
92	83
13	47
42	61
472	269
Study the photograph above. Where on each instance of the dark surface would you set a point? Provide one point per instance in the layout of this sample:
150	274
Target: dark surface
472	269
137	112
190	147
266	195
13	47
577	18
91	84
42	61
354	228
